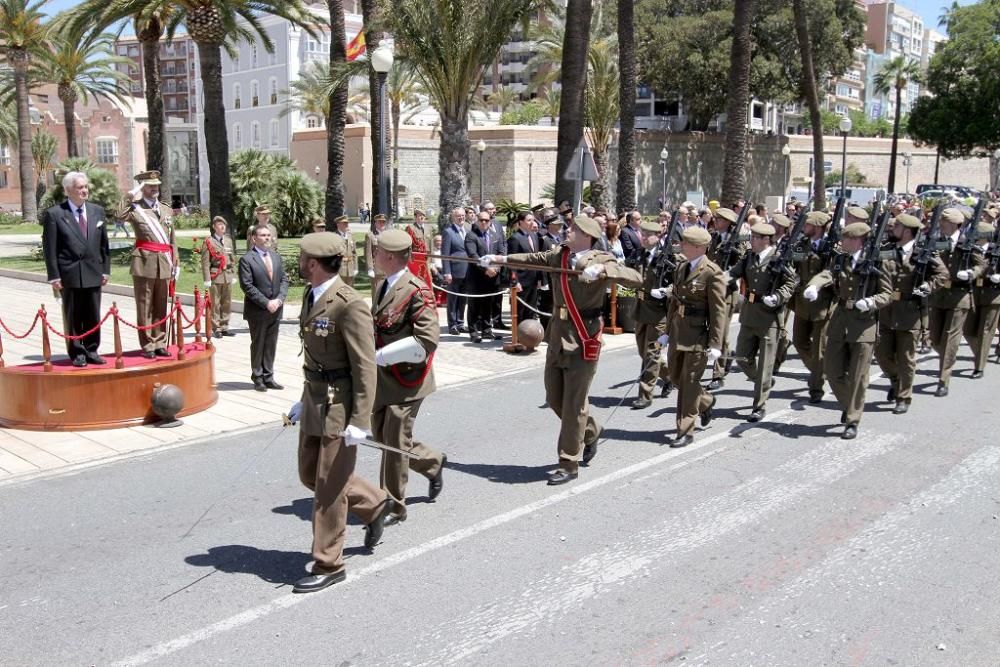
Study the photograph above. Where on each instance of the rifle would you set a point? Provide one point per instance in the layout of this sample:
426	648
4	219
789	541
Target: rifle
967	239
925	251
871	255
665	264
829	243
728	248
787	246
993	253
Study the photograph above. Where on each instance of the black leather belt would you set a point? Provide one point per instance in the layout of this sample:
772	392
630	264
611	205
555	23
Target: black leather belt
688	311
331	375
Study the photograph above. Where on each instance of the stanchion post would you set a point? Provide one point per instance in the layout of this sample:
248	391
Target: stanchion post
513	346
614	329
46	346
119	359
208	321
197	317
1	351
181	354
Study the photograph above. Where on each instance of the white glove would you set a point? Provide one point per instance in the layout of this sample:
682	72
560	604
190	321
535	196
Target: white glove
663	340
407	350
658	293
864	305
353	435
486	261
355	271
177	272
811	293
726	277
964	274
208	283
770	300
922	290
371	273
713	355
592	273
294	413
664	356
995	278
134	191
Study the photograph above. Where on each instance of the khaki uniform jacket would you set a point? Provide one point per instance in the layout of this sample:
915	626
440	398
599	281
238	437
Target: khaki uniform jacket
807	266
698	311
407	310
905	312
715	250
273	245
759	284
371	242
847	322
210	264
349	265
648	309
954	292
150	224
337	336
561	335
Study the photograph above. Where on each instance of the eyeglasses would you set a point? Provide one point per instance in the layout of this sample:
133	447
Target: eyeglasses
484	219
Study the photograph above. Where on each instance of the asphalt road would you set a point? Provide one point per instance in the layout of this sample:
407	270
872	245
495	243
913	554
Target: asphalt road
762	544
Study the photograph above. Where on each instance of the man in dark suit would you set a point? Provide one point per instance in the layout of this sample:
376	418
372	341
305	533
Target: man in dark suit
526	241
78	263
631	240
501	231
550	238
265	286
482	240
454	273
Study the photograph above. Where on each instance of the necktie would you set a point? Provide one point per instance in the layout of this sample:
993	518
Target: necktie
310	301
686	272
83	222
531	244
268	267
382	291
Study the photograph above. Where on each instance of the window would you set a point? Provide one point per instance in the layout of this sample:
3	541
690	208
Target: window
274	133
3	179
236	62
254	94
311	122
133	51
4	154
237	93
122	50
843	91
274	91
237	136
840	109
136	87
107	150
255	134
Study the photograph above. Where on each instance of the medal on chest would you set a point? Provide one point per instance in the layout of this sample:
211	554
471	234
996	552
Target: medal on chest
322	327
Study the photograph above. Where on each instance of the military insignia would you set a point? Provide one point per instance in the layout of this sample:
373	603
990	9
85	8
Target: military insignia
321	326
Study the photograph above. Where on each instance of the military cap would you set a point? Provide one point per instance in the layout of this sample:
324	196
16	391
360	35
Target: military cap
696	236
908	220
588	226
817	218
763	229
394	240
984	228
379	216
340	219
991	212
263	208
418	211
565	208
857	212
781	220
727	214
148	178
952	215
537	208
856	230
322	244
649	226
550	216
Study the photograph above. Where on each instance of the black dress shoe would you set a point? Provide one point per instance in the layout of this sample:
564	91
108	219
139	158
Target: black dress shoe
815	397
271	384
463	329
773	382
453	331
850	432
161	352
706	416
681	441
79	361
94	358
641	403
843	417
149	354
975	376
259	386
942	390
890	395
392	518
374	530
490	333
589	452
228	334
317	582
756	415
561	477
437	481
217	334
716	384
476	338
502	326
901	408
667	388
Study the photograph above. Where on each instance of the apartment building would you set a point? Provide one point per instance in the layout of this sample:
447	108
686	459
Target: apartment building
892	31
178	61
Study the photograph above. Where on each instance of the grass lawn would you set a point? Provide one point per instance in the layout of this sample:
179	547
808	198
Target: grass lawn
23	228
191	277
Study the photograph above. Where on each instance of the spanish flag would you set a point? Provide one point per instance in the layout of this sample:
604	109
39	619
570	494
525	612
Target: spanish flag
356	47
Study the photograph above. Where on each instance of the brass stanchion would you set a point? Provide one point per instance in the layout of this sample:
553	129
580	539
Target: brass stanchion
181	354
197	317
46	346
119	360
208	321
614	329
513	346
1	352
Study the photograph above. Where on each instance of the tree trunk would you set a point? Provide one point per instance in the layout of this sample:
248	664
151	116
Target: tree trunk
891	186
812	101
18	59
576	44
600	192
369	11
453	163
220	195
395	111
625	195
69	119
156	148
734	180
334	200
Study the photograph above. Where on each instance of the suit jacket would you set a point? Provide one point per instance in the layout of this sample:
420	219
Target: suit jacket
212	255
759	284
77	261
702	322
904	312
519	243
453	245
154	224
257	288
631	243
476	247
406	310
847	323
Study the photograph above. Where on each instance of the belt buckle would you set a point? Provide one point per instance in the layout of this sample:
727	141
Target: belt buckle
947	284
563	314
849	304
751	297
680	310
641	294
897	295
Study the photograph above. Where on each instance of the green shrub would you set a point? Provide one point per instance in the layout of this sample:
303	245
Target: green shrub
103	186
9	219
195	220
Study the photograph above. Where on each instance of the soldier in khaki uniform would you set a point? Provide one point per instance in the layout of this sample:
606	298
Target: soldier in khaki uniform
336	406
949	306
812	317
853	325
371	242
218	268
981	324
697	320
403	308
782	225
760	316
349	267
262	216
154	260
574	335
723	223
651	313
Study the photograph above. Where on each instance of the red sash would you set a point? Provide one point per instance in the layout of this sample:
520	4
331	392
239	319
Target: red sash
155	247
590	345
391	318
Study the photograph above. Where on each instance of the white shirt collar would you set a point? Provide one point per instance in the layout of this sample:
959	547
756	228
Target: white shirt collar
391	279
694	262
261	251
907	247
319	290
151	203
765	253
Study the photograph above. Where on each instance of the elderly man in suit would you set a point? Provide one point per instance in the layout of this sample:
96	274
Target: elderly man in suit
78	263
455	272
483	240
265	286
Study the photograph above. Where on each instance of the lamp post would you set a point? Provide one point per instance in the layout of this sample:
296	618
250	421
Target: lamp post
316	171
786	150
907	161
481	147
663	171
382	58
845	129
531	162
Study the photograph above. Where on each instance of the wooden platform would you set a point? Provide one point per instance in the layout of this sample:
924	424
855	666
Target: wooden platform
97	397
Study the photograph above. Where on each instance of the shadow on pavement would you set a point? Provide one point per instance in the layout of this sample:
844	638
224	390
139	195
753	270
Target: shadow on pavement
278	567
503	474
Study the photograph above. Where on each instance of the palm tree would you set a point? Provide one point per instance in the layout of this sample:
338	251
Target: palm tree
811	94
896	74
734	177
625	194
373	35
8	123
503	98
43	149
149	29
23	36
82	67
212	24
336	115
601	113
550	102
573	76
310	92
450	43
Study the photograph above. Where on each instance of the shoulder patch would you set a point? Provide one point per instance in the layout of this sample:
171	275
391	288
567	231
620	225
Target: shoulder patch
347	294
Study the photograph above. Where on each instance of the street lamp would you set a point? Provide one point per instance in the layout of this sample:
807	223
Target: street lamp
481	147
382	58
531	161
786	150
316	171
907	161
663	171
845	128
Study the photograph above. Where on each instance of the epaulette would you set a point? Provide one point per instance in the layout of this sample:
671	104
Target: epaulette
348	293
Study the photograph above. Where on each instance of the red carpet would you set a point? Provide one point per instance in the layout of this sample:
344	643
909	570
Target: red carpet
132	359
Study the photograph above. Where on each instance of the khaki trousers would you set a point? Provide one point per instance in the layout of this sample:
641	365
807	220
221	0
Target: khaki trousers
979	329
809	338
847	365
945	328
782	344
151	296
685	370
652	366
326	467
221	295
719	368
393	425
567	388
751	342
896	352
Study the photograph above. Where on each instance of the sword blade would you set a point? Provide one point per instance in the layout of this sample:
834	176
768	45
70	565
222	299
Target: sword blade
374	444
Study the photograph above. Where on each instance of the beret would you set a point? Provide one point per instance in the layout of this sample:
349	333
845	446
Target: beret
650	227
697	236
588	226
763	229
856	230
781	220
394	240
817	218
857	212
984	228
322	244
908	220
727	214
952	215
